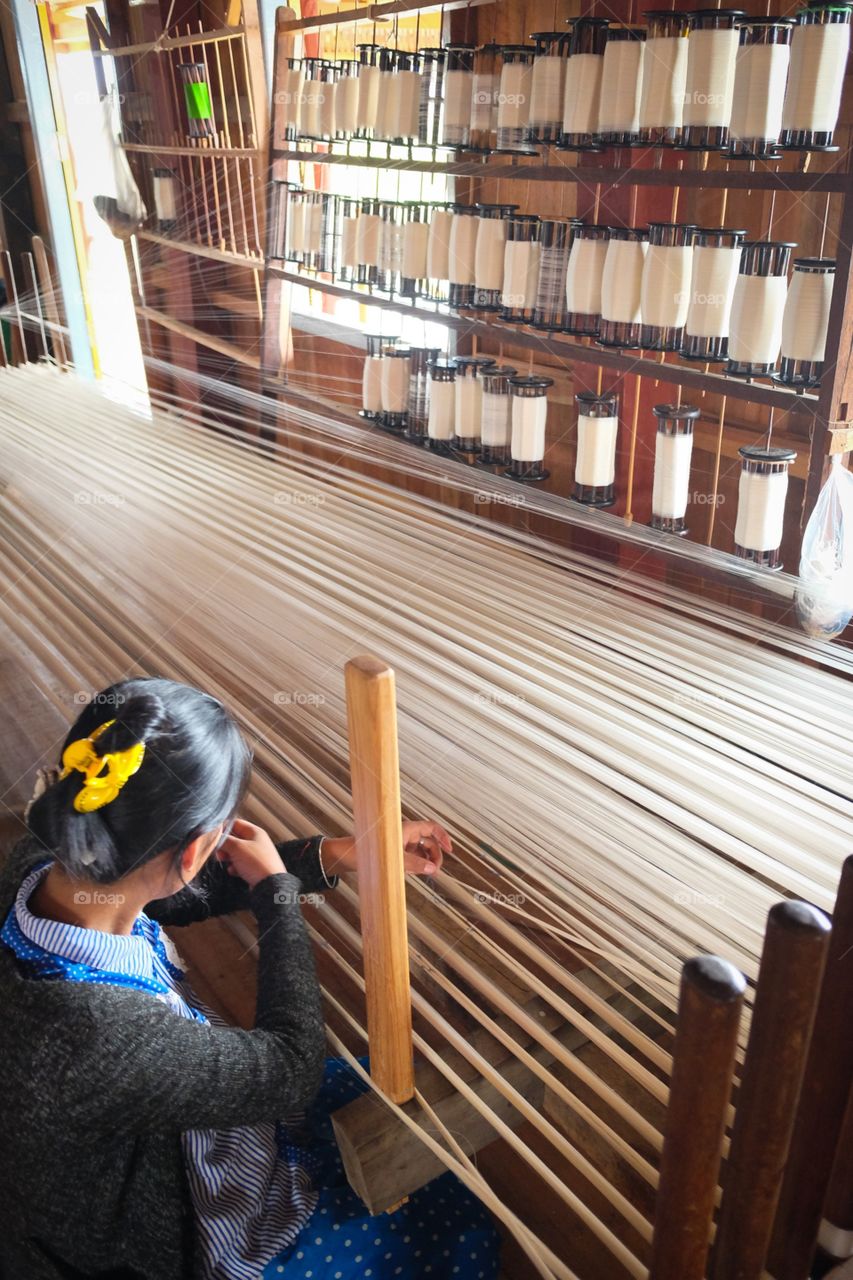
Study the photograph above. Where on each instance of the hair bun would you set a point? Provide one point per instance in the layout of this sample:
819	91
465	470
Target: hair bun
136	720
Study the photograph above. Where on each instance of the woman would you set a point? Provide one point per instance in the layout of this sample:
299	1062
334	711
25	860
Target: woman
139	1135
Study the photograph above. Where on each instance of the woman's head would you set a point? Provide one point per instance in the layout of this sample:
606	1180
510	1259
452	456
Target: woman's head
193	773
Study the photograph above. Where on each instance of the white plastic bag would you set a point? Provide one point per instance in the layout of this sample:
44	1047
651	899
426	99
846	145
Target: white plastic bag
130	202
825	591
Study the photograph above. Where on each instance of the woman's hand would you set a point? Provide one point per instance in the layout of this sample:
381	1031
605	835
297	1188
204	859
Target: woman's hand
424	846
248	852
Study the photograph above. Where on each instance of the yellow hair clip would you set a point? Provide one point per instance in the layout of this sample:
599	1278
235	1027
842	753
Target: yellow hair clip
105	775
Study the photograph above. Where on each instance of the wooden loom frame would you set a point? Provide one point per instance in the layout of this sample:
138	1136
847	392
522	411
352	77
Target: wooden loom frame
794	1090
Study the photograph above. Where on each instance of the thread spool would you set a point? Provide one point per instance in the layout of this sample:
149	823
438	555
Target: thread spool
290	97
665	78
716	259
347	263
368	233
329	81
431	96
438	250
805	322
755	328
390	246
441	416
408	98
489	255
468	409
421	360
461	256
762	490
621	86
294	234
548	86
317	243
312	96
484	98
388	96
458	95
621	287
583	84
346	100
281	215
415	239
165	199
665	292
496	420
673	451
197	100
819	48
583	280
371	378
514	90
369	79
712	48
521	268
555	240
394	389
761	72
529	421
595	463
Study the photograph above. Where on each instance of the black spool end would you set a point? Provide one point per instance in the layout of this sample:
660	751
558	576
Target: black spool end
714	978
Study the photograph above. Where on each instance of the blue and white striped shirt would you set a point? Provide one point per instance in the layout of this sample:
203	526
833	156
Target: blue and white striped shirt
251	1192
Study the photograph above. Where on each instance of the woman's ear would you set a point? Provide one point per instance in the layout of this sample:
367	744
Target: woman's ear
197	852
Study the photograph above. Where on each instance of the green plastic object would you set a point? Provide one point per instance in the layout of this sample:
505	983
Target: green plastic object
199	106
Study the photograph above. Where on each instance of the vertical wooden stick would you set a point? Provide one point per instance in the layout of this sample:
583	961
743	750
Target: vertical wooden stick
374	767
823	1101
792	963
709	1011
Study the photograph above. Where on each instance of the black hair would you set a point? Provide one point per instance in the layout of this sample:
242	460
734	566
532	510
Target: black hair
192	778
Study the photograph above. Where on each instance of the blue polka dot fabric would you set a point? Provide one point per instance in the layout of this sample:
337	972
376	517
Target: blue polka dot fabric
441	1232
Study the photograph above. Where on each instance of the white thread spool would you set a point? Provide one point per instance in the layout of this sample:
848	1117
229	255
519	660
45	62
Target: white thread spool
755	328
295	244
555	239
387	97
673	452
521	267
716	258
367	235
762	490
665	292
390	246
394	388
371	378
489	255
761	71
529	422
496	421
469	401
165	198
312	96
326	114
548	86
665	77
458	95
711	55
514	92
806	320
421	360
583	81
369	80
461	256
441	422
583	280
622	85
595	463
484	97
438	244
313	226
432	96
408	99
819	51
346	101
348	264
291	97
621	287
415	240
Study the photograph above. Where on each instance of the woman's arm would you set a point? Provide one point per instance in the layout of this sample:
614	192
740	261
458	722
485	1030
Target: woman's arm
152	1071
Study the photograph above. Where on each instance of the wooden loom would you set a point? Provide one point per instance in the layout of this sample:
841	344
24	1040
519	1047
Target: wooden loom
545	1027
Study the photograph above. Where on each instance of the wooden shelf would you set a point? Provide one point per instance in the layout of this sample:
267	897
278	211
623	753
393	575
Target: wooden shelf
169	42
681	374
163	149
502	168
371	13
202	250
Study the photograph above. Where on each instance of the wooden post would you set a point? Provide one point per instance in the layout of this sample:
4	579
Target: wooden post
709	1011
374	767
792	964
836	1235
823	1100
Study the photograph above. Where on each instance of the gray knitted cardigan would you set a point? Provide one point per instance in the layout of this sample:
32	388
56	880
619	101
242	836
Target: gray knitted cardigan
99	1081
